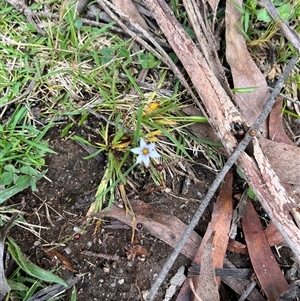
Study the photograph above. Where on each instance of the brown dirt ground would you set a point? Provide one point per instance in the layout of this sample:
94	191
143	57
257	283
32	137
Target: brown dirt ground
73	179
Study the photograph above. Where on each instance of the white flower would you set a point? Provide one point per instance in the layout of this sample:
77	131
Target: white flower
145	152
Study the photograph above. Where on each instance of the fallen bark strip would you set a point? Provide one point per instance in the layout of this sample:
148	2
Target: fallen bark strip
277	205
221	111
218	180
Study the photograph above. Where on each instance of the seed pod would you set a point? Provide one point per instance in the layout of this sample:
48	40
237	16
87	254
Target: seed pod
159	167
253	133
77	236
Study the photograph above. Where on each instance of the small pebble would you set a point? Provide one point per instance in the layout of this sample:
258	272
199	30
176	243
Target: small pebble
121	281
68	250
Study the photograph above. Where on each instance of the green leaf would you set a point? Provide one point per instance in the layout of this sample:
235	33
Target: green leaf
11	168
17	286
264	16
190	32
7	178
32	184
241	175
148	61
9	192
78	24
251	194
123	52
244	90
74	295
284	11
23	181
107	55
28	170
29	267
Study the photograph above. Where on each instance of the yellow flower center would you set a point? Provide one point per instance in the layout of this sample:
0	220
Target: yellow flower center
145	151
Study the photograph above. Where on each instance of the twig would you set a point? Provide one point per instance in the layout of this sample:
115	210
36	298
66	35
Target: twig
288	32
21	7
297	102
213	188
101	255
248	291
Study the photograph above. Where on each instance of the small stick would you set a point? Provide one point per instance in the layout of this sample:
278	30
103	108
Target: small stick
21	7
248	291
101	255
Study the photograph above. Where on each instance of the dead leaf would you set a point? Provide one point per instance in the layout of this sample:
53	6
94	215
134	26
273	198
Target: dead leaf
284	159
220	110
176	281
185	293
261	180
263	261
276	129
166	227
220	224
207	289
236	247
241	285
136	252
56	256
244	71
127	7
273	236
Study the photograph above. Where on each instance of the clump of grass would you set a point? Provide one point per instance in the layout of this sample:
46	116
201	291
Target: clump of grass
156	119
22	153
86	64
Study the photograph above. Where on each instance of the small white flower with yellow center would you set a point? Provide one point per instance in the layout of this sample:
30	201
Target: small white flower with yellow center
145	152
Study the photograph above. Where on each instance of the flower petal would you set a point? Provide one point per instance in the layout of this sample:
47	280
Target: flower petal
143	143
136	150
151	146
139	159
146	161
154	154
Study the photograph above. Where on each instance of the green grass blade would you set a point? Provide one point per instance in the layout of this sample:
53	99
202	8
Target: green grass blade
31	268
